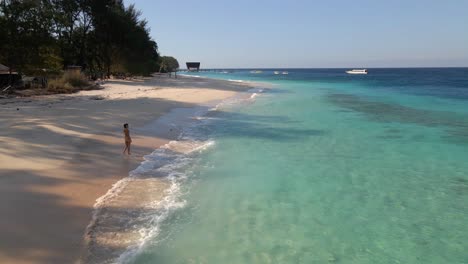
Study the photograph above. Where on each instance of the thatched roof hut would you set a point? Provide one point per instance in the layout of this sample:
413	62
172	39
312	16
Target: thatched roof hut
193	66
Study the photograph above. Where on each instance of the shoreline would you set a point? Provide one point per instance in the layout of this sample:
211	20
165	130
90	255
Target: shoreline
149	191
59	155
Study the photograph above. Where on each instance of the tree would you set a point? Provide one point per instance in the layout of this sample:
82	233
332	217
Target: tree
101	36
73	22
26	42
168	64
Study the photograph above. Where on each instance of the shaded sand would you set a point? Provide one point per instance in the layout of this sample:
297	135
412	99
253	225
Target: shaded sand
58	154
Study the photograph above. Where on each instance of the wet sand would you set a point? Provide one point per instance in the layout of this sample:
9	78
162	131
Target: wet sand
59	153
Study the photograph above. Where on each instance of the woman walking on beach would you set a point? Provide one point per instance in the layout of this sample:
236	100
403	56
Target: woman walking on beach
128	139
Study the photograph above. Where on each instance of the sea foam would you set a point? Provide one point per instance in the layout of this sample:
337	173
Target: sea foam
131	212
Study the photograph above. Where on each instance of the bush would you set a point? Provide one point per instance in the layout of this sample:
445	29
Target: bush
60	86
75	79
69	82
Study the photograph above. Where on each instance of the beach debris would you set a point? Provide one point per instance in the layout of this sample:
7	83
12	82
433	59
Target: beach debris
6	89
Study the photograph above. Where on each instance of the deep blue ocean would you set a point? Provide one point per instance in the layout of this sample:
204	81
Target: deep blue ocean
326	167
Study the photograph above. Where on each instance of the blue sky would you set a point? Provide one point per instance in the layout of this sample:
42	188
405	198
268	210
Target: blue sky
306	33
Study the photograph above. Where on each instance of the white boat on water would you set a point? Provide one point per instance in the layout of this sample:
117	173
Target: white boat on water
285	73
356	71
276	72
256	71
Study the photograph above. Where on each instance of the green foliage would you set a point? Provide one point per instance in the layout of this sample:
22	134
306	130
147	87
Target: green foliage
168	64
101	36
51	60
25	32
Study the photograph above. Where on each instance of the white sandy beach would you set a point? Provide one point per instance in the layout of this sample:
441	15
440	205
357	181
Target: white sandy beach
59	153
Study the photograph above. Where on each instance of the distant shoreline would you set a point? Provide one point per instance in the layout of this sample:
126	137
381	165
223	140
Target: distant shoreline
328	68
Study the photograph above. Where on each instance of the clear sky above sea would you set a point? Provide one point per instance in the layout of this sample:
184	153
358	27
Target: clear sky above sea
306	33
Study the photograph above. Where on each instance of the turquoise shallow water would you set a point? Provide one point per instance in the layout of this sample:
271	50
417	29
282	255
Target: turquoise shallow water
328	168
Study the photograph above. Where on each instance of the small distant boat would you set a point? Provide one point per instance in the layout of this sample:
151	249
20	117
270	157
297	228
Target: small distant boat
276	72
285	73
356	71
256	72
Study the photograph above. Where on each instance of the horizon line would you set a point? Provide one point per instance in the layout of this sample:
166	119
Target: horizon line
298	68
